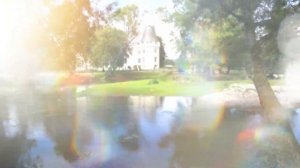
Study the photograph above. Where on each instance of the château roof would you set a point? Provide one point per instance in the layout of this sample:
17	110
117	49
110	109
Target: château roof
149	35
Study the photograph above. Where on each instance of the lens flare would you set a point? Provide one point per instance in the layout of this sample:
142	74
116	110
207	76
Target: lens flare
219	117
288	41
74	135
97	150
18	20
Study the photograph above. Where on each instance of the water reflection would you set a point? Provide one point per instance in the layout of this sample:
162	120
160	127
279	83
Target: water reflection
63	130
15	146
295	124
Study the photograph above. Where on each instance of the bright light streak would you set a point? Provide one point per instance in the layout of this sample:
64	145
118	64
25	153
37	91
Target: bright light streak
288	42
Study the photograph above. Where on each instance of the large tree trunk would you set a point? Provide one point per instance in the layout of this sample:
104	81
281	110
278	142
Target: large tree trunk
268	100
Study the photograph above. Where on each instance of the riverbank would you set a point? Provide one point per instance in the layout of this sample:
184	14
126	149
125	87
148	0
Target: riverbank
157	87
123	83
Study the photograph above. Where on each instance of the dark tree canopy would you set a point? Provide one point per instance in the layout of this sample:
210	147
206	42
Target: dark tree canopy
259	22
68	32
162	53
109	47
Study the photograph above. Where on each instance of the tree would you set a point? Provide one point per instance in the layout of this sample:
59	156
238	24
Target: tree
109	47
116	29
229	42
259	20
162	53
68	33
127	18
203	52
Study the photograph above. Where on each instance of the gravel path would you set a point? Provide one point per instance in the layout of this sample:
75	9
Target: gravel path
246	95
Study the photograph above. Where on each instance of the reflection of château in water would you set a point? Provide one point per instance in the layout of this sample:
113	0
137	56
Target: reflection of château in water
145	54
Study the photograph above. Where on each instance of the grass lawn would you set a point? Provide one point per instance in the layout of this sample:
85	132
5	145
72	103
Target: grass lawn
123	76
164	88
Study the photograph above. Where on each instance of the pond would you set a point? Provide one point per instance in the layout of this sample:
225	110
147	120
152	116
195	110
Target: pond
66	131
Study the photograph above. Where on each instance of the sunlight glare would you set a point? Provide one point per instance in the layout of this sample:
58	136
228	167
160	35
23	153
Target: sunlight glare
288	42
17	18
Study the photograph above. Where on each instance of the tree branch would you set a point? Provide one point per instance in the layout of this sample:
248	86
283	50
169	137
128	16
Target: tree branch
230	11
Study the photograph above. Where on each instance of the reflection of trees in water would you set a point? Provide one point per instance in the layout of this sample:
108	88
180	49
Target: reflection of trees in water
14	152
67	129
61	124
221	147
114	114
28	161
147	105
110	111
70	133
194	147
15	149
58	113
188	151
64	125
60	130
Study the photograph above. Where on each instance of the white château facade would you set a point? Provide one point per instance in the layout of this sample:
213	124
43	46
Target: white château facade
145	52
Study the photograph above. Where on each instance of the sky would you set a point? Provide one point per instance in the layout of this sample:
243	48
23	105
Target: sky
150	17
150	5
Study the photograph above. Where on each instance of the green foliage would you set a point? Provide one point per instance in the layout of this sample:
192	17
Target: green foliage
162	53
213	41
225	25
258	22
230	42
169	62
201	51
128	17
68	33
109	47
